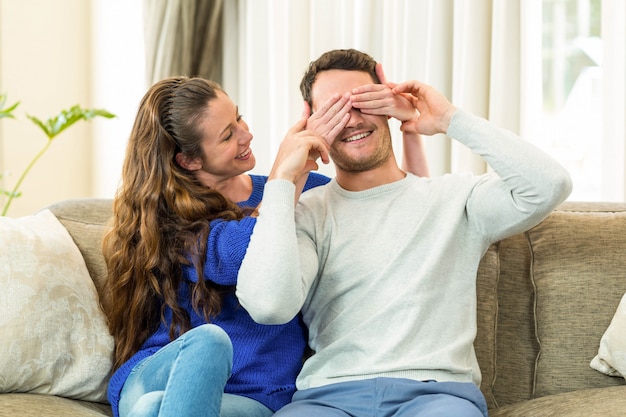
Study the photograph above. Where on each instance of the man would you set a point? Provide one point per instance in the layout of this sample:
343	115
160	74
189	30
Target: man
383	263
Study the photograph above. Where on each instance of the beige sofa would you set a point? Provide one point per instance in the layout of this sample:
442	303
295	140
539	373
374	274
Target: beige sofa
546	297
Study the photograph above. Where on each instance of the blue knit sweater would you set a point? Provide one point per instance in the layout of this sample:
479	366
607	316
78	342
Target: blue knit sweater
266	358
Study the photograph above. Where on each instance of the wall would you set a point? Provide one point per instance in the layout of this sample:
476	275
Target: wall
53	55
43	45
118	85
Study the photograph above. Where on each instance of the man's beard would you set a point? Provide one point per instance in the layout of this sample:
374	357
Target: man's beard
372	161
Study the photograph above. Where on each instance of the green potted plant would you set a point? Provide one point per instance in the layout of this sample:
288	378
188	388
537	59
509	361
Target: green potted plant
52	127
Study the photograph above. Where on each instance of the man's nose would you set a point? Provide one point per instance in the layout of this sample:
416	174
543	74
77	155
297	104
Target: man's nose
356	118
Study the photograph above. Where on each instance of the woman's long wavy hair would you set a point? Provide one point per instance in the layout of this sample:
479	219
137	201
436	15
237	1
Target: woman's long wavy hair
161	216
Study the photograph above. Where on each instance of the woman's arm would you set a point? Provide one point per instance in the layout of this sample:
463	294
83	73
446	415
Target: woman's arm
226	247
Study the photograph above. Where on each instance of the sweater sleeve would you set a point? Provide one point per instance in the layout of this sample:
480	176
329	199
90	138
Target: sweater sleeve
228	241
269	285
528	186
226	247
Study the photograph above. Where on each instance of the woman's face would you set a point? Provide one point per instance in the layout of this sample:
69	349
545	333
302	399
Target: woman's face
225	144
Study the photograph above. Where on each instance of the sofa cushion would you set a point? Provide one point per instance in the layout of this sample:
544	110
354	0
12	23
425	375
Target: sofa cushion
570	250
54	335
37	405
606	402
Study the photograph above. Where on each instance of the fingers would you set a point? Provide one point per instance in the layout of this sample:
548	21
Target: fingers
333	109
298	153
336	129
382	77
369	92
380	73
330	119
412	87
306	111
373	98
319	149
380	99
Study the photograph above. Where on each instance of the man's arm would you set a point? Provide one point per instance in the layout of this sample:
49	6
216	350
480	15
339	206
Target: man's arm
530	183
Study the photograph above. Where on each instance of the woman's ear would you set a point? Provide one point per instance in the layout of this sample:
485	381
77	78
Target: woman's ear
190	164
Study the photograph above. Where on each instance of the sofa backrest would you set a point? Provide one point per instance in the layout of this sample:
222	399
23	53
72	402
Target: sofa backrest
86	220
558	286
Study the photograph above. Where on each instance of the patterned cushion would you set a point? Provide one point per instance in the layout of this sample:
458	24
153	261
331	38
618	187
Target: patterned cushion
54	334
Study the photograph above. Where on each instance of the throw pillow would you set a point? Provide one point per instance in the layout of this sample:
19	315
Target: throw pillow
611	357
54	334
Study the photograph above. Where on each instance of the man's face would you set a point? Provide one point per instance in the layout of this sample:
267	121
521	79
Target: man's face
365	142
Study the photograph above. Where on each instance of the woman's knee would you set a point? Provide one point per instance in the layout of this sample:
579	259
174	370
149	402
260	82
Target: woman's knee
238	405
147	405
209	340
210	335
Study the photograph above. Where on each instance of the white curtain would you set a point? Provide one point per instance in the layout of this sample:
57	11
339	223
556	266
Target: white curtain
486	56
614	100
469	50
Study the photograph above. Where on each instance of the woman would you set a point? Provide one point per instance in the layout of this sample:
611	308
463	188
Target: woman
173	252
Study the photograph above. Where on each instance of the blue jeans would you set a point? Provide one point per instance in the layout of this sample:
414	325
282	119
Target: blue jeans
388	397
187	378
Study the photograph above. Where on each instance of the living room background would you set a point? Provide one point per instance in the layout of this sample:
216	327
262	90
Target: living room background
486	55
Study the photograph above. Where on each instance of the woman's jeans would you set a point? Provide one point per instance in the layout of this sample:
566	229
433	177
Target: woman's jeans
187	378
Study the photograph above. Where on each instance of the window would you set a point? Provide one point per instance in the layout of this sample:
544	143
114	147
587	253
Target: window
574	116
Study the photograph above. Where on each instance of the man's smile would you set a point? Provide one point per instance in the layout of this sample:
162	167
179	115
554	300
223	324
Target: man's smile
356	136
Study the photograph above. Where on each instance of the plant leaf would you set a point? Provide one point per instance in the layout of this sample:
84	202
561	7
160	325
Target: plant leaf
66	118
9	193
8	111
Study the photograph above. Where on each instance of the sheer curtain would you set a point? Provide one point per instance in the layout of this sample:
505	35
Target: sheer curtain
469	50
614	100
183	37
574	90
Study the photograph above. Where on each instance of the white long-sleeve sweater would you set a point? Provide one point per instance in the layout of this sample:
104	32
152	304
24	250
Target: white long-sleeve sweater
385	278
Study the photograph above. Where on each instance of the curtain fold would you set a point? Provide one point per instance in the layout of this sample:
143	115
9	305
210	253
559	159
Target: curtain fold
183	37
472	57
614	98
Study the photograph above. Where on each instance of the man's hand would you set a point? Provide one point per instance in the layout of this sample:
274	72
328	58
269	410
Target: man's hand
380	99
330	119
435	111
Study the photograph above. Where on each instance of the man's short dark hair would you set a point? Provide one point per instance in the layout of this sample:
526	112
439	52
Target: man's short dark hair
342	59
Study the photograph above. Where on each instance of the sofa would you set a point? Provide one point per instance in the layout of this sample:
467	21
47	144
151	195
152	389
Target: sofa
546	300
